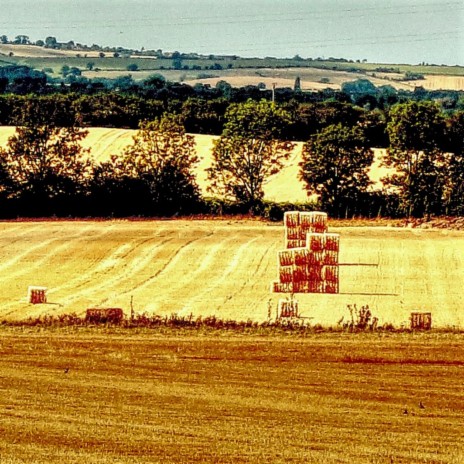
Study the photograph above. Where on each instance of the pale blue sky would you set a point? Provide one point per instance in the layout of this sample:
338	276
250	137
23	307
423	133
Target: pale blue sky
390	31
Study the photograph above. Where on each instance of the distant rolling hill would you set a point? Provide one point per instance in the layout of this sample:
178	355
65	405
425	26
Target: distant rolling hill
283	187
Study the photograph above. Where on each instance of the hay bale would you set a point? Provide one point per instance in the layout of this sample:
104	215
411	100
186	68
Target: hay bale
292	233
286	258
302	256
37	295
331	287
316	242
330	257
293	244
315	273
301	286
330	273
285	274
332	242
278	287
316	286
316	257
292	219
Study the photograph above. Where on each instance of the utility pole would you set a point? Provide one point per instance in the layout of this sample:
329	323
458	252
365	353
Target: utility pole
273	92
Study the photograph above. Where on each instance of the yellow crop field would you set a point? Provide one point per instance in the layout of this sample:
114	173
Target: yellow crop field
223	268
111	396
284	186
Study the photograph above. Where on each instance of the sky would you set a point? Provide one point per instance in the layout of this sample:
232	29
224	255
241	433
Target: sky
382	31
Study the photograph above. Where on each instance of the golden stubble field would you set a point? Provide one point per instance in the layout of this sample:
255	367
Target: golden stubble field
115	396
223	268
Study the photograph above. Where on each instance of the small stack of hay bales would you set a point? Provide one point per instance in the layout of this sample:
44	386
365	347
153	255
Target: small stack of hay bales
37	295
309	264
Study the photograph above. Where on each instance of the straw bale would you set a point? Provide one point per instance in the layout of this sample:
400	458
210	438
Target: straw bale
330	257
331	287
316	242
316	286
286	274
316	257
288	308
332	242
292	218
37	295
293	244
278	287
286	257
300	273
302	256
292	233
315	273
330	273
301	286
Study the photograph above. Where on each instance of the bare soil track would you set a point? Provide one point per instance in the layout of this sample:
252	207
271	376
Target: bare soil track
223	268
119	396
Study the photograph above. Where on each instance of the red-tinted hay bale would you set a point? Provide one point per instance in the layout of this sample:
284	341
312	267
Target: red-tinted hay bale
316	257
286	274
315	273
330	257
305	221
292	233
291	218
293	244
316	286
301	286
332	242
286	257
330	273
316	242
331	287
300	273
302	256
278	287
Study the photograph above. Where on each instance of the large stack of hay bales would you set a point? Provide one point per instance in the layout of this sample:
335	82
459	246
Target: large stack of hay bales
309	264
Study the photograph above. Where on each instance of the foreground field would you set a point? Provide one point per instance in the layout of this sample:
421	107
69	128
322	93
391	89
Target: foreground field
102	397
223	268
284	186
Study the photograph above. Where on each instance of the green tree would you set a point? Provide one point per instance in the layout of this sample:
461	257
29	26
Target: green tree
249	151
132	67
416	131
45	162
162	157
334	167
454	192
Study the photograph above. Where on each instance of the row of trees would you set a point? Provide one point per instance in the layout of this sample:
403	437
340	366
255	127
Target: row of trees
45	171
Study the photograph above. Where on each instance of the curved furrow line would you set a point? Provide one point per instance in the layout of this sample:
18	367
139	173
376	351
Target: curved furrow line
107	143
23	268
214	284
171	261
191	275
42	263
105	277
83	274
254	274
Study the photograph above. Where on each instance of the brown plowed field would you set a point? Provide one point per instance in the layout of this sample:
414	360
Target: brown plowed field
223	268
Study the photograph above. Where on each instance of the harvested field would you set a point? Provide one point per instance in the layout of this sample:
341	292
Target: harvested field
283	187
120	396
223	268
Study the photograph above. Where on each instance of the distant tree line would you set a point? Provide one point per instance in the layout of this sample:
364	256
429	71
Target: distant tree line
44	171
